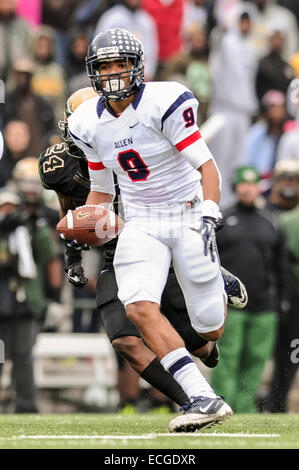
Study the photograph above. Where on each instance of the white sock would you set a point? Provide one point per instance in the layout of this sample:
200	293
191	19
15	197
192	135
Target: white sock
184	370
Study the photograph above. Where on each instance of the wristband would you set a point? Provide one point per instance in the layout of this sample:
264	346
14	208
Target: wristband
211	209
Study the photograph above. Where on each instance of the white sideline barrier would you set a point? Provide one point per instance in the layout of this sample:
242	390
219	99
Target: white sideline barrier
73	360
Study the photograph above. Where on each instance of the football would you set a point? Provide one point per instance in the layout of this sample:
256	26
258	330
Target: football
93	225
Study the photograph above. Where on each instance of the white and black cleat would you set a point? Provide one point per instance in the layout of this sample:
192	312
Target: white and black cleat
237	296
202	412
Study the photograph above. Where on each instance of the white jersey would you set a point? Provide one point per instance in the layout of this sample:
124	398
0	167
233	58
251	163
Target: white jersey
143	145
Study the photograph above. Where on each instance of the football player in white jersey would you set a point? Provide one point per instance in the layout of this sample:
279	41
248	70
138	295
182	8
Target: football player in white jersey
170	186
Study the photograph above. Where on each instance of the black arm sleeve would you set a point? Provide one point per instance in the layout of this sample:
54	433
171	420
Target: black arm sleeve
73	256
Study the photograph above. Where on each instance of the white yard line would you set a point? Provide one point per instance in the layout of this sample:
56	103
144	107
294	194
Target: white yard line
146	436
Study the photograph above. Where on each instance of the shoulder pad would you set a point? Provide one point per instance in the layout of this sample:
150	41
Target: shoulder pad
167	93
163	98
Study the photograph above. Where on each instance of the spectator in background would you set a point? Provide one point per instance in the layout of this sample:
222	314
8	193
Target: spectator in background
251	246
226	12
193	69
223	15
233	71
17	140
26	249
274	73
129	15
26	183
283	198
288	146
48	78
15	37
30	10
168	17
75	68
264	136
284	193
294	62
285	364
195	11
292	5
87	13
60	15
23	104
267	16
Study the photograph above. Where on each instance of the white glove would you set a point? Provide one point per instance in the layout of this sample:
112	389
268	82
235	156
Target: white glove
207	225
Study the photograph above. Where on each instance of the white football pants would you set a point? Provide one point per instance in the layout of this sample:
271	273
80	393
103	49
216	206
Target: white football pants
151	239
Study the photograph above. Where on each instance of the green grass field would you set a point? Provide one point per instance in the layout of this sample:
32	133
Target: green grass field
145	431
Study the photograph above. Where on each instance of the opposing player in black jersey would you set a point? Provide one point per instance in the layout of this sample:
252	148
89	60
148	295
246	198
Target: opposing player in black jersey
63	169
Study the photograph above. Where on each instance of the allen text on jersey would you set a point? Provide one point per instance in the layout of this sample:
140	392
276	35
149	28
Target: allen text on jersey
123	143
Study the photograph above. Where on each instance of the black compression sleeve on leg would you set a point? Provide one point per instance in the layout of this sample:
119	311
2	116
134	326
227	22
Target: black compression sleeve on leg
159	378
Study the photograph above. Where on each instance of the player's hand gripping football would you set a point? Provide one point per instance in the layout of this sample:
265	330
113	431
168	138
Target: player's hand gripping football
76	276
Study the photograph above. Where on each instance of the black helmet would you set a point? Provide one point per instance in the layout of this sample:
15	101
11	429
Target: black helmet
115	44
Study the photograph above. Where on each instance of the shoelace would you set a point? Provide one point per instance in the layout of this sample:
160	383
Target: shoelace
185	407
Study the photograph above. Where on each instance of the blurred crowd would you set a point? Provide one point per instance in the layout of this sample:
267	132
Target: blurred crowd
240	58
